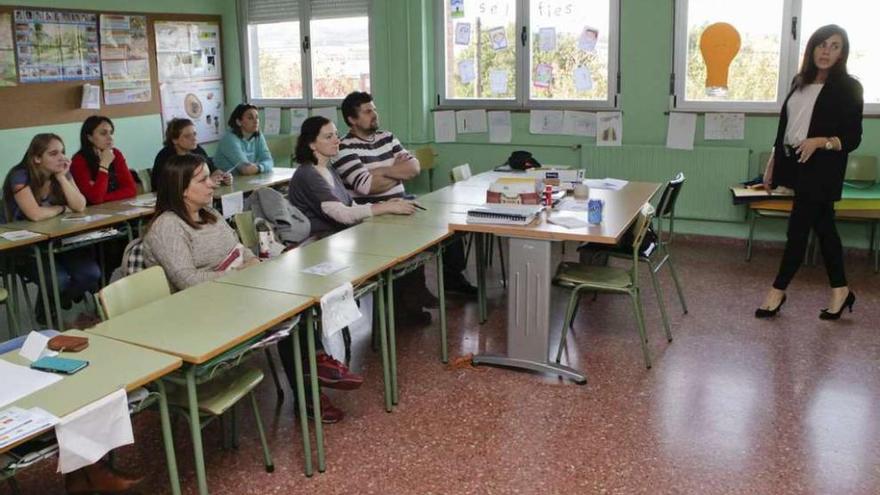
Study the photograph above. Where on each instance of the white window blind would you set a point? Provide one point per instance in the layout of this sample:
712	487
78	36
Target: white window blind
327	9
266	11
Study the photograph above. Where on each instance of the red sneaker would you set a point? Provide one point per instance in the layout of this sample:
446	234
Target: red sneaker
329	412
333	374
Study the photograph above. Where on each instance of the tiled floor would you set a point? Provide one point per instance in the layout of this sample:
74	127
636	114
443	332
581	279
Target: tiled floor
733	405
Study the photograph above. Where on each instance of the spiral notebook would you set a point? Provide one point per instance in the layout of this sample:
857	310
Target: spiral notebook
504	214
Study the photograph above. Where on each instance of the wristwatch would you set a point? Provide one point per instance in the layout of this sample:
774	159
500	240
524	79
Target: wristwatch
829	144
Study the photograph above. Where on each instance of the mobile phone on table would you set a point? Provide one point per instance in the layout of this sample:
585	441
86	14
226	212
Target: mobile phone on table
66	366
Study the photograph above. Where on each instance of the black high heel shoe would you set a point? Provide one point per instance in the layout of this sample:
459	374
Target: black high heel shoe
848	303
769	313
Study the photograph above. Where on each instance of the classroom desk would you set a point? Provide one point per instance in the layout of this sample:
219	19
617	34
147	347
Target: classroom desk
463	193
532	258
57	228
7	248
434	215
112	364
247	183
208	320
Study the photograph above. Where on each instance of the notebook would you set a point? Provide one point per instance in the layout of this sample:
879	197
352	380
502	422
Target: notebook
504	214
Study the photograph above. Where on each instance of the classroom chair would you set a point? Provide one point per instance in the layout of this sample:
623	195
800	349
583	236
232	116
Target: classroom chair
579	277
861	172
426	157
281	148
146	180
223	382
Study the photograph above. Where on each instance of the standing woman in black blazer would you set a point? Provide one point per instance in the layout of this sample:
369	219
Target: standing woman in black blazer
820	124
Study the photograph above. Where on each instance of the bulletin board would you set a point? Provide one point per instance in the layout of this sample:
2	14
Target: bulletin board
58	101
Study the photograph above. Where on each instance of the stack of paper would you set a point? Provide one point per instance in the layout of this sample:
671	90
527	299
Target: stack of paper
21	381
606	183
17	424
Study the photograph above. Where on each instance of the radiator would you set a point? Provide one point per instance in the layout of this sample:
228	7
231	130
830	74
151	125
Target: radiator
709	171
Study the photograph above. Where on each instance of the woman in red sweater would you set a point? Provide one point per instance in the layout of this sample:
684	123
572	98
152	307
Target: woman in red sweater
98	168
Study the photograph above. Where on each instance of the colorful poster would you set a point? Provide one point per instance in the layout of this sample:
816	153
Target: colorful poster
124	64
588	38
56	46
199	101
543	76
188	51
8	74
463	33
498	38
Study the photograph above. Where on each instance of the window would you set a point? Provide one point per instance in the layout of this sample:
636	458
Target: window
331	52
527	53
729	58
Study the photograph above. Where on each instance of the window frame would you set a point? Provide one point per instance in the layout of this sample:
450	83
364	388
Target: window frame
308	99
522	99
790	37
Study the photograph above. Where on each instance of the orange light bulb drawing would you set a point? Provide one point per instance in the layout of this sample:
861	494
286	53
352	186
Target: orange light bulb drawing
719	44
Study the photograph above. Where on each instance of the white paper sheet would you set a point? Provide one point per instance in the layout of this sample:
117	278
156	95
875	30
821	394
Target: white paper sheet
272	120
86	435
362	326
232	203
567	222
500	128
79	217
546	121
327	112
147	202
470	121
588	38
571	204
466	71
462	33
583	79
606	183
297	117
547	39
681	129
17	423
325	268
444	126
576	123
35	346
338	310
498	81
21	381
91	97
726	126
609	129
19	235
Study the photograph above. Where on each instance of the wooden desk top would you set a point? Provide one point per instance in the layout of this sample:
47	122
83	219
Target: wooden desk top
621	208
247	183
7	244
112	365
399	242
204	321
284	273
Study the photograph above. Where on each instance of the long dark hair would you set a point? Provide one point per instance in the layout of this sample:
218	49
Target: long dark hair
175	127
308	134
176	176
809	71
237	114
39	144
86	148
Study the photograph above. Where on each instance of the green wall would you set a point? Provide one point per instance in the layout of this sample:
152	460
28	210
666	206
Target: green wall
140	137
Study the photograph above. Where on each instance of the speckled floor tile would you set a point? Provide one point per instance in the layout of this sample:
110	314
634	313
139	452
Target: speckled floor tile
734	405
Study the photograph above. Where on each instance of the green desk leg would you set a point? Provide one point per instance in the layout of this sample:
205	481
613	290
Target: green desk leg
195	428
316	392
41	282
481	276
300	389
441	294
379	296
392	338
53	279
11	302
168	439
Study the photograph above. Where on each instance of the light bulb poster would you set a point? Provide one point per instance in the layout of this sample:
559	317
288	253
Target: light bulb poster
719	45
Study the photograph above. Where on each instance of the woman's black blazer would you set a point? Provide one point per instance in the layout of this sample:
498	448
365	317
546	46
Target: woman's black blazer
837	113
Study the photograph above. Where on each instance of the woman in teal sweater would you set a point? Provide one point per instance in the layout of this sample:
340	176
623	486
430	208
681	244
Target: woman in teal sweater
243	150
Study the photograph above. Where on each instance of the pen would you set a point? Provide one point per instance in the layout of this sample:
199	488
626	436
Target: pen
419	206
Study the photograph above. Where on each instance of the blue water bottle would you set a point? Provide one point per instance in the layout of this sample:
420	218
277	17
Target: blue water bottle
594	211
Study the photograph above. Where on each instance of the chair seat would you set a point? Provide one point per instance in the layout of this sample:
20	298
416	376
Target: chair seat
218	395
607	277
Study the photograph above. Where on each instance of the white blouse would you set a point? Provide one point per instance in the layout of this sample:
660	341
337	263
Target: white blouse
800	112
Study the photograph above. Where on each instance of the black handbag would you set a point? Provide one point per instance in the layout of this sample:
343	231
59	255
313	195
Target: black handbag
522	160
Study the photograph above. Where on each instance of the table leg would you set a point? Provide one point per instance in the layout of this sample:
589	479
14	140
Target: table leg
195	428
41	283
168	439
392	337
53	279
383	338
316	392
479	250
300	388
528	311
441	294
